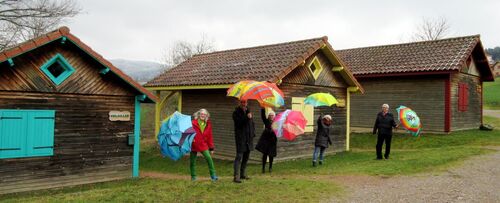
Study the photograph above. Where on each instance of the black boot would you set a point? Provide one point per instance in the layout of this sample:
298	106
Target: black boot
270	170
237	179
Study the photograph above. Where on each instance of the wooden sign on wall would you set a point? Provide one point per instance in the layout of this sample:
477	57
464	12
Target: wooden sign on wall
119	116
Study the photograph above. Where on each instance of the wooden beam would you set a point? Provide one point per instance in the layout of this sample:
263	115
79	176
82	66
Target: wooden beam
179	103
11	62
104	71
337	68
348	121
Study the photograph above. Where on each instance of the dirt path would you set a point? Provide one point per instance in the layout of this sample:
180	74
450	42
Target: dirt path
494	113
477	180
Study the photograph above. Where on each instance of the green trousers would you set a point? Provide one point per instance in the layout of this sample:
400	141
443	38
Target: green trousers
208	158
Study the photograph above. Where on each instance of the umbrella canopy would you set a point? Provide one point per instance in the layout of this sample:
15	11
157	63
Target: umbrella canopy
266	93
320	99
176	135
289	124
409	120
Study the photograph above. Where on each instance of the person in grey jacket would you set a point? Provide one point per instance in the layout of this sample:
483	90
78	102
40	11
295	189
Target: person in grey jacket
322	138
383	125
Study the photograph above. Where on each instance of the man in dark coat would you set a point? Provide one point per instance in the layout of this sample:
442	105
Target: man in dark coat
322	138
384	124
244	132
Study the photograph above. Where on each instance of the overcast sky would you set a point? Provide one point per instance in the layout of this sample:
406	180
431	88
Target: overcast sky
143	30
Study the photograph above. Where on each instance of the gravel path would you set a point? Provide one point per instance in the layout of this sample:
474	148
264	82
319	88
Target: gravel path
494	113
477	180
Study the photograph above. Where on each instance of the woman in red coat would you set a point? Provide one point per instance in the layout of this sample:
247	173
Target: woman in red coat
202	142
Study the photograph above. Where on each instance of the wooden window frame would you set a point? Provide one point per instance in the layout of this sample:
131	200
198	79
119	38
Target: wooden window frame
68	69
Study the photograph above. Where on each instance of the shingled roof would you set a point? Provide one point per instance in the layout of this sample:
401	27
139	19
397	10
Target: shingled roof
261	63
426	56
63	33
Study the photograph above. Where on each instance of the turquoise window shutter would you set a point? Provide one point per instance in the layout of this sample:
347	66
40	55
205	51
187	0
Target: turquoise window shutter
26	133
41	135
13	127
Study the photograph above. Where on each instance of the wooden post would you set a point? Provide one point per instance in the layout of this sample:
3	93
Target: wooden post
158	108
348	117
179	103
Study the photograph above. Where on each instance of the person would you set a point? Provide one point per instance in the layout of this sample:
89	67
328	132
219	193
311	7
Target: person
244	132
202	142
267	141
383	125
322	138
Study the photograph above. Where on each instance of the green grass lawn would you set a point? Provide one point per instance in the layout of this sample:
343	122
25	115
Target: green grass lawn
295	181
492	94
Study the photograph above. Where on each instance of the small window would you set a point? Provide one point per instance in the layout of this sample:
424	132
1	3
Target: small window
26	133
307	110
315	67
57	69
463	97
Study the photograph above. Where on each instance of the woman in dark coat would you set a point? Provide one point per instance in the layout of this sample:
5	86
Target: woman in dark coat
267	141
322	138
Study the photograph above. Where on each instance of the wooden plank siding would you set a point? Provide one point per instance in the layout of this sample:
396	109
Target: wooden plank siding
470	119
87	146
424	94
298	83
85	141
26	75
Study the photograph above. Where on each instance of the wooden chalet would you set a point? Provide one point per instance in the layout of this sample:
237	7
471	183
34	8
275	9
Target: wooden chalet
299	68
442	80
67	115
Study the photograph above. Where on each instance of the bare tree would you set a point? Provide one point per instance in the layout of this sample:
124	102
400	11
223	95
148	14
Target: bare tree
431	29
182	50
25	19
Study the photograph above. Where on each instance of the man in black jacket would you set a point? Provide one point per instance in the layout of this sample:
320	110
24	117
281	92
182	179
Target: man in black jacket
244	132
384	124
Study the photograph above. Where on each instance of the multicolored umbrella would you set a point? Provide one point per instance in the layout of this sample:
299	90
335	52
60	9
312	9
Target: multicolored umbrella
266	93
289	124
409	120
320	99
176	135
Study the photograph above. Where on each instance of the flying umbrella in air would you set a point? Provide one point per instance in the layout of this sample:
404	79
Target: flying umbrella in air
289	124
409	120
320	99
176	135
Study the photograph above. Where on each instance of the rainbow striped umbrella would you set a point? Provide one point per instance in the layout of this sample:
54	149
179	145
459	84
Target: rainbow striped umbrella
320	99
409	120
267	94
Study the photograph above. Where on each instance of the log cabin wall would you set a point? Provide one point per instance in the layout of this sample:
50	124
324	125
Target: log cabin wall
471	117
424	94
87	146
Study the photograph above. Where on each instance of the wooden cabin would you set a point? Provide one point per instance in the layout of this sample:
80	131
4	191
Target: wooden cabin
67	115
442	80
299	68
